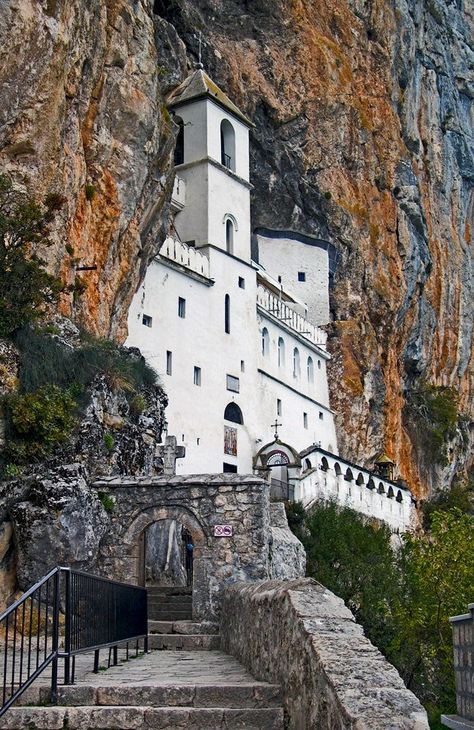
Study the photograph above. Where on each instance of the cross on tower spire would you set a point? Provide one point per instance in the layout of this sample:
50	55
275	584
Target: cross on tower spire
275	426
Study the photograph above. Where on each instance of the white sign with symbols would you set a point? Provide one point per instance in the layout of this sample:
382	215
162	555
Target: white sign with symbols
223	530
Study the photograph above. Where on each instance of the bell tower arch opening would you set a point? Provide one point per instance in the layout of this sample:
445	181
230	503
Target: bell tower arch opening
228	145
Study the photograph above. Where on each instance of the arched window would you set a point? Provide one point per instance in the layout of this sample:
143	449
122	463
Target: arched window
381	488
296	363
371	484
281	352
390	493
307	464
233	413
399	496
324	464
265	342
179	148
227	145
337	469
360	479
349	475
227	313
229	236
310	370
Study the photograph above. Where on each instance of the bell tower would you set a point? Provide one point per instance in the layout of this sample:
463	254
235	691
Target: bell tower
212	157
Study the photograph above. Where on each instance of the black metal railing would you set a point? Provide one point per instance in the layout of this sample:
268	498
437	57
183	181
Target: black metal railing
226	160
97	613
281	491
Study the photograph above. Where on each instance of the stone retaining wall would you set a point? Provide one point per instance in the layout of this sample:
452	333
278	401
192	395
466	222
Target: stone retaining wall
299	634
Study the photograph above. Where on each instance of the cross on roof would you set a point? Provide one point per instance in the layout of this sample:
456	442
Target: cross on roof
275	426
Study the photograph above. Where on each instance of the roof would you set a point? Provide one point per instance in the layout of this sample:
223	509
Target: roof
384	459
199	85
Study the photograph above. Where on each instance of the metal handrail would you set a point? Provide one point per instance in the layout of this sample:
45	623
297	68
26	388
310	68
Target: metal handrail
98	613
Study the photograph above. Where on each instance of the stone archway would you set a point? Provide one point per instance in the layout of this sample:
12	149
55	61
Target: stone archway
135	537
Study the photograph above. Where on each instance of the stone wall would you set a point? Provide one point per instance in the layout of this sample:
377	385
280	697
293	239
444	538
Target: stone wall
302	636
199	503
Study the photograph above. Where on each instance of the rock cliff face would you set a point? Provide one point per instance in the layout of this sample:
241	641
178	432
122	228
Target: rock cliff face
82	114
363	136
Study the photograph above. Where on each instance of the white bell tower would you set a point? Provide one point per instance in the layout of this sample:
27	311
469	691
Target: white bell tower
212	157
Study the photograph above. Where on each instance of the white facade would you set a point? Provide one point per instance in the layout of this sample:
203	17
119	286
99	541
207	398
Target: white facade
236	344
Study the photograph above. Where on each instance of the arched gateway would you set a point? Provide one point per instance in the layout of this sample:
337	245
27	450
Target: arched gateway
226	516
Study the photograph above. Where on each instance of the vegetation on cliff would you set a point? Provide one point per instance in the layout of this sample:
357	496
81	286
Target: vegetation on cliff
402	597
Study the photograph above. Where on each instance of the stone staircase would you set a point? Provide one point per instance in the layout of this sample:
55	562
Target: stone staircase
169	603
176	690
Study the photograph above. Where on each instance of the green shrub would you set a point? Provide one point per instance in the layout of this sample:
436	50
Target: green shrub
11	471
38	422
137	404
434	411
109	441
108	502
25	287
89	191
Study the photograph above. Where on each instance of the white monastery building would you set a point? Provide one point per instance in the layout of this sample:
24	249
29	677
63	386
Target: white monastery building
236	338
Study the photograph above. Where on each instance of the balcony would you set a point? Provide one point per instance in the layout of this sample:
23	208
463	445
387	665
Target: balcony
288	317
186	256
178	197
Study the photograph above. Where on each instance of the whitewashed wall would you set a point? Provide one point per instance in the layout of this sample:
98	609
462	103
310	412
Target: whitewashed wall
285	257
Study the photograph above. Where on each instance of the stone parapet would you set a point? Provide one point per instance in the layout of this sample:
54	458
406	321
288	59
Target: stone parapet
299	634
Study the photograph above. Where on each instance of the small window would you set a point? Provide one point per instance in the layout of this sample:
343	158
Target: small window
179	149
310	370
229	236
279	409
181	307
242	366
241	282
197	375
227	314
233	383
265	342
321	415
147	320
319	364
281	352
191	244
305	420
229	468
169	362
301	276
296	363
279	279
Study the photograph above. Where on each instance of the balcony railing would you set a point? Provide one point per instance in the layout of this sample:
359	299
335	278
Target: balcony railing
285	314
186	256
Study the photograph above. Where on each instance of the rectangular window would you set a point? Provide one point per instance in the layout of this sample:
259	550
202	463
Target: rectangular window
197	375
301	276
241	282
229	468
169	362
305	420
321	415
242	366
181	307
147	320
278	407
233	383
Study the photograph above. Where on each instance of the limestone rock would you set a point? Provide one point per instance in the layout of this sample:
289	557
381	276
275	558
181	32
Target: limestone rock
60	523
82	114
287	554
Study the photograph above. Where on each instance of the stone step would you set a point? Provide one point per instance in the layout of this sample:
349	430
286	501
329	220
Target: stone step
241	695
128	718
173	616
182	627
169	591
170	599
187	642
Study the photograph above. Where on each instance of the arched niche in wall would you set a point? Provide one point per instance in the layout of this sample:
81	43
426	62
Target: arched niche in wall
179	147
265	342
281	352
399	496
371	484
390	493
296	363
348	476
228	145
337	469
360	479
310	370
324	464
233	413
231	227
381	488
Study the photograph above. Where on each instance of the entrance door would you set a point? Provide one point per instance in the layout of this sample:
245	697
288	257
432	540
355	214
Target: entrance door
167	554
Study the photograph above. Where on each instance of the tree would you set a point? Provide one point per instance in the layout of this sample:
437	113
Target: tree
25	287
